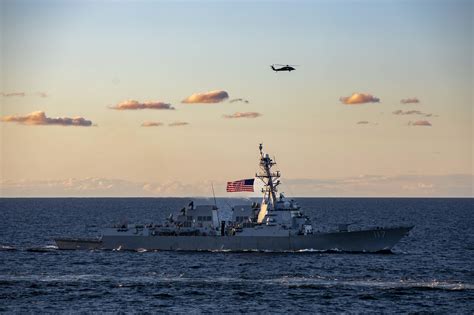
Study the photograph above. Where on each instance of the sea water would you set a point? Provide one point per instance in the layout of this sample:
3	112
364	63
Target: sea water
428	271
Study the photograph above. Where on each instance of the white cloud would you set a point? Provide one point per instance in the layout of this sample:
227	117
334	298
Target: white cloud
457	185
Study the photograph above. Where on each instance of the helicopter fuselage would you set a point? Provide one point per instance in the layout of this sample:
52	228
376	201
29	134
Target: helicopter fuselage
286	68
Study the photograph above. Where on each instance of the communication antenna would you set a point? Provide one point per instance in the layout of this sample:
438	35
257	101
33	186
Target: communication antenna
213	194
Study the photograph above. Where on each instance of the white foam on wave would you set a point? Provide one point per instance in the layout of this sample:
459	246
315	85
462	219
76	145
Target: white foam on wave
323	282
311	250
6	248
50	247
401	284
44	248
295	282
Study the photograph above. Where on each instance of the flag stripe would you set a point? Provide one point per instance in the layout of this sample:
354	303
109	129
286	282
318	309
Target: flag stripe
240	185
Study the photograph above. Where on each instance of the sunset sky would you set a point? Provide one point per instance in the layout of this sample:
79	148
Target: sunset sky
158	98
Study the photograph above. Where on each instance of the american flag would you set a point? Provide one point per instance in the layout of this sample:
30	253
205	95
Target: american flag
240	185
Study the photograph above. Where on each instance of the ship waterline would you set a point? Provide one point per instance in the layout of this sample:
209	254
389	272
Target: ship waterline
374	240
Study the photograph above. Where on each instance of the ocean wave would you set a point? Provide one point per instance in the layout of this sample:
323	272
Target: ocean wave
398	285
316	282
42	249
6	248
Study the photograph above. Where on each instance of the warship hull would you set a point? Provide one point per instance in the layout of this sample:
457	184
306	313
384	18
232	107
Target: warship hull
78	243
374	240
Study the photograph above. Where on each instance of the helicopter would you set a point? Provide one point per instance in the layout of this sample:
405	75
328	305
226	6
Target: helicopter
288	68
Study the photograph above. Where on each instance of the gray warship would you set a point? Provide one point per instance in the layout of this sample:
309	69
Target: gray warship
276	224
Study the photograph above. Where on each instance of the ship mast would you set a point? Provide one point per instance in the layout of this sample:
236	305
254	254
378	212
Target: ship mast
269	179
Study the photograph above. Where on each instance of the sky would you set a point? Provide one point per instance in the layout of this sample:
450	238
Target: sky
161	98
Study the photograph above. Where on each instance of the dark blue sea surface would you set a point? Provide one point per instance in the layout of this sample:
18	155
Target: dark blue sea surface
431	270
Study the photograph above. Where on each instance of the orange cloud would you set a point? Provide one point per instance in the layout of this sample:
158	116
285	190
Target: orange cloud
178	123
151	124
39	118
134	105
425	123
411	100
13	94
207	97
359	98
243	115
